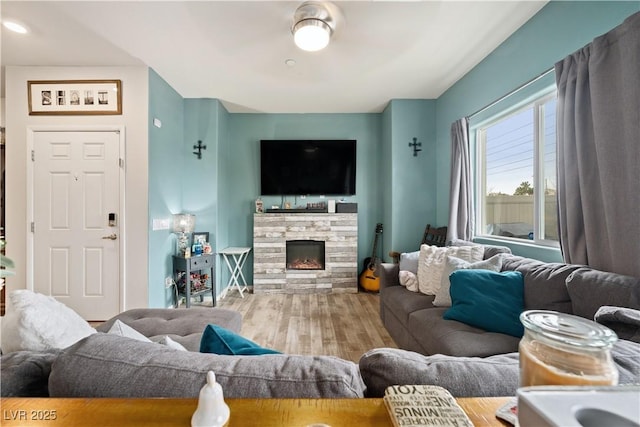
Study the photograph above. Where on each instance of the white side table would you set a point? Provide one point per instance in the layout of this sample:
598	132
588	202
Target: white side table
235	259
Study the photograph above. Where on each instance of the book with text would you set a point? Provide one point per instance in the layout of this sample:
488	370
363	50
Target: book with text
424	405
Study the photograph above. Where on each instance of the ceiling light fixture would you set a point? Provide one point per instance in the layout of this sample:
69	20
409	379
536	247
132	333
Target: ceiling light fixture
313	26
15	27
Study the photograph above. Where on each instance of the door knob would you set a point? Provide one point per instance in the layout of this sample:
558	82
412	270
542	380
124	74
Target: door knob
110	237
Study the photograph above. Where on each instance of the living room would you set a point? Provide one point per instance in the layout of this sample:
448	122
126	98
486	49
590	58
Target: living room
163	177
148	349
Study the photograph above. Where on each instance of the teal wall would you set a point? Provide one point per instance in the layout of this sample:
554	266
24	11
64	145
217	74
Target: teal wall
412	202
166	177
393	187
242	180
200	177
559	29
222	233
386	184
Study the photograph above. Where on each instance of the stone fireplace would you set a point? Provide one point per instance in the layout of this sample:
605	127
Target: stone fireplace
305	252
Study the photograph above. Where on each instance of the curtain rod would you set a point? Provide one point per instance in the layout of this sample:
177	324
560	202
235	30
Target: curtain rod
503	97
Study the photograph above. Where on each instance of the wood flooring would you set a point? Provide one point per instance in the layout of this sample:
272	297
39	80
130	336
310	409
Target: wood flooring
341	324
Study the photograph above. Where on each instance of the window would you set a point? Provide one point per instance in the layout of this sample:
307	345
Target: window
516	174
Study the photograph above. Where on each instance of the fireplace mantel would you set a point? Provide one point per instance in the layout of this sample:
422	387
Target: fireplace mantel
270	234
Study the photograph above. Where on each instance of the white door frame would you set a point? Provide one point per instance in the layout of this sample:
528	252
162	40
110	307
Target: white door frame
120	130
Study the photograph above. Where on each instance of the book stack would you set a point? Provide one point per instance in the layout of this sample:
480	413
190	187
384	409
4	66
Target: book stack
424	405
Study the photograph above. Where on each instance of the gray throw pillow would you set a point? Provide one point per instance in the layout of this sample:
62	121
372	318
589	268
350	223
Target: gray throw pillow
462	376
469	376
409	261
625	356
591	289
545	283
106	365
625	322
26	373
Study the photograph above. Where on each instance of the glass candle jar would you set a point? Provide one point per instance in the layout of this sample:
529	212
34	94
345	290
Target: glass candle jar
562	349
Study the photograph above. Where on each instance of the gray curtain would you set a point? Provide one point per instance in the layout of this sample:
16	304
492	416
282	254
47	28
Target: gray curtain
461	195
599	151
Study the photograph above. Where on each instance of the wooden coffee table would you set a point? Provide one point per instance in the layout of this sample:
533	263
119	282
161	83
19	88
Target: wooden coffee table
25	412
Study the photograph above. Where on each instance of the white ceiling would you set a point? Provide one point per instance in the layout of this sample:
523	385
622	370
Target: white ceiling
235	51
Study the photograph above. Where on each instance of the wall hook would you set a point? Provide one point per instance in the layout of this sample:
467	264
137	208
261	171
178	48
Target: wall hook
415	144
199	147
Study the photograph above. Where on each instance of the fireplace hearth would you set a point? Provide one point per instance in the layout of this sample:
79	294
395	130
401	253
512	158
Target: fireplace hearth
305	255
339	257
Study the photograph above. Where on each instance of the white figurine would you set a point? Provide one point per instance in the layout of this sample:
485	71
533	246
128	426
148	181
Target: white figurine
212	411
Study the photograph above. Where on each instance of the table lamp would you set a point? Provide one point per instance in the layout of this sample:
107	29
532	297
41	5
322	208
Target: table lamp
183	225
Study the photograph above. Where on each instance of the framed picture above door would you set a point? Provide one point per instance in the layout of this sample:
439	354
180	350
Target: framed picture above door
74	97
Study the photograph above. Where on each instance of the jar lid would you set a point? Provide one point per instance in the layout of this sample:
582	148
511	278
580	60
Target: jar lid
568	329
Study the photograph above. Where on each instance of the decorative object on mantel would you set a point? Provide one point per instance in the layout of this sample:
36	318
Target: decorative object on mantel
317	205
415	144
212	411
199	147
74	97
183	226
259	205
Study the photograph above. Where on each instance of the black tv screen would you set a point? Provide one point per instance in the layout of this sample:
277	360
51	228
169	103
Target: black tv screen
308	167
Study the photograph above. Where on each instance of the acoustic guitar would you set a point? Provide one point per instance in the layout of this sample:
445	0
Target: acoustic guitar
370	275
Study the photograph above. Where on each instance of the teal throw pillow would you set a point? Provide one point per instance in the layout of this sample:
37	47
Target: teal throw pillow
218	340
488	300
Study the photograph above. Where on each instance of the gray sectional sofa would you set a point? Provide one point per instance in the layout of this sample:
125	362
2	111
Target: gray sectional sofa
416	324
467	361
472	362
107	365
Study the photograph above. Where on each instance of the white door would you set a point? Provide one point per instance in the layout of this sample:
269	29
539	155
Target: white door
75	245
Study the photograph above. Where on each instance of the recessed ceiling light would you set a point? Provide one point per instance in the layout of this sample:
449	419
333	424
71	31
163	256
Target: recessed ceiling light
15	27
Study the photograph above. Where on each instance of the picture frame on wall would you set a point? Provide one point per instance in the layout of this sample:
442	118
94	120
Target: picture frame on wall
74	97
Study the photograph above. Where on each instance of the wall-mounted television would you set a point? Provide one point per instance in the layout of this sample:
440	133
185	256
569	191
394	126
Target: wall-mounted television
307	167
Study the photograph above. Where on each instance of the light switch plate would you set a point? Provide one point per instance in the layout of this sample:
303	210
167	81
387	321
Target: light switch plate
161	224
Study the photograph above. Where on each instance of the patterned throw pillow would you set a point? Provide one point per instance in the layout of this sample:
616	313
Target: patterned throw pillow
431	264
443	298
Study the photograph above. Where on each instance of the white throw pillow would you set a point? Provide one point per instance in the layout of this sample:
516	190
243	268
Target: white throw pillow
39	322
431	263
124	330
443	297
408	280
171	343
